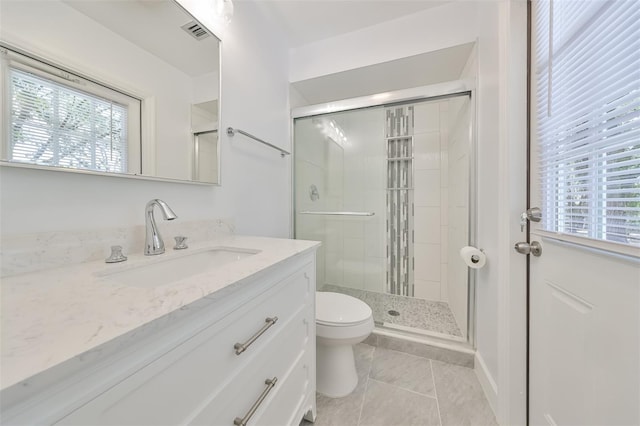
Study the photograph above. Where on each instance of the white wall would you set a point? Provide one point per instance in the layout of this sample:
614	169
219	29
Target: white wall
487	127
255	98
255	187
512	291
437	28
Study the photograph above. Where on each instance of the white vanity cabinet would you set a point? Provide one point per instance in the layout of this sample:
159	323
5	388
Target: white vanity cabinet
209	378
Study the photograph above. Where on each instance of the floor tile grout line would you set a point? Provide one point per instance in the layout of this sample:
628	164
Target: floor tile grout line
401	388
435	390
405	353
366	386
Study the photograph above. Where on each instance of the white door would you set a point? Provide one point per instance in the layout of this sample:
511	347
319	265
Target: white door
584	337
584	354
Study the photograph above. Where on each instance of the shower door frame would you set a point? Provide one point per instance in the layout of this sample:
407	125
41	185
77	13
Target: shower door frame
399	97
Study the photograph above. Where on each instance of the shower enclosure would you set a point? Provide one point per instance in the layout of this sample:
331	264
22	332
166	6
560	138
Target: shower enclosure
386	189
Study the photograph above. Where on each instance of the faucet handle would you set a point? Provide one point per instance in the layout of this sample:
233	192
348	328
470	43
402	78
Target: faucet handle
180	243
116	255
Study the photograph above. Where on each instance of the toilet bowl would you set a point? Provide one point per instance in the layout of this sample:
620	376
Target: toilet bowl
341	322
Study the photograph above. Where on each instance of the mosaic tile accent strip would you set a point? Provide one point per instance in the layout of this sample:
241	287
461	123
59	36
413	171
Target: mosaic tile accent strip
400	261
416	313
399	121
399	224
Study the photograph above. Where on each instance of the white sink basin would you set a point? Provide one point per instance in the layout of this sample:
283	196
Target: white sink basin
167	271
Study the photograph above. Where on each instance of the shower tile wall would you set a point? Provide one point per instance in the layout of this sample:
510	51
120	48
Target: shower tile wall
431	200
333	245
363	191
311	163
349	172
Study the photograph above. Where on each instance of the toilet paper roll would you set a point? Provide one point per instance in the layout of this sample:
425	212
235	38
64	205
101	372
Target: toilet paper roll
473	257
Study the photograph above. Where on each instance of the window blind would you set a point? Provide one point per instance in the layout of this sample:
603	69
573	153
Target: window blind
586	101
57	125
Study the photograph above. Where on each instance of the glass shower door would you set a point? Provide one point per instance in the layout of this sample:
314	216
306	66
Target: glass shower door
386	191
340	196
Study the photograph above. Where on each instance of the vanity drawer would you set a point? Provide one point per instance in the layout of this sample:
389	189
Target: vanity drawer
284	355
174	387
287	401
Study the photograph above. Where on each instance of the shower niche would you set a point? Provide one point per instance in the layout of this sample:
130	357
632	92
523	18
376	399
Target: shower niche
393	209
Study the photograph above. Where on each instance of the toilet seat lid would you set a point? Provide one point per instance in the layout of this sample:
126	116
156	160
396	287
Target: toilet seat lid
339	309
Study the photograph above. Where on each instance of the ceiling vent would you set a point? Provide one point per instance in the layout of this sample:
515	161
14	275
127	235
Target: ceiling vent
196	30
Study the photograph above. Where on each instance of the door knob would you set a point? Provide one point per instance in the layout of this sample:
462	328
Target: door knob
534	214
525	248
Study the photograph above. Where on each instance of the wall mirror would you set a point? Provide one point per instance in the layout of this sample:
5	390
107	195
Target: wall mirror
125	87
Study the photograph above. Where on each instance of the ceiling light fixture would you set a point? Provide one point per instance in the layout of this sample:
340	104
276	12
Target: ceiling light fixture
224	11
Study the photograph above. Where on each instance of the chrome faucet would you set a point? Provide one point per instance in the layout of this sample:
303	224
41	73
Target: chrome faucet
153	241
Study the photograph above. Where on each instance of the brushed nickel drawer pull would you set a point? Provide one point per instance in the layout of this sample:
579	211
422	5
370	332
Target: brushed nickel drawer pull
243	421
241	347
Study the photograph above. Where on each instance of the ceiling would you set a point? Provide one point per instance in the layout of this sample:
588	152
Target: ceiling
155	27
155	24
304	22
301	22
307	21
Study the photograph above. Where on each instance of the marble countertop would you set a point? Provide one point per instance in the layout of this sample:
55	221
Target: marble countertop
51	316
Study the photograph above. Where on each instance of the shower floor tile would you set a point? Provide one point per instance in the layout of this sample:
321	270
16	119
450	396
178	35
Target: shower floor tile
415	313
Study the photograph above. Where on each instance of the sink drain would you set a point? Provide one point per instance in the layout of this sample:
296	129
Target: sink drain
393	313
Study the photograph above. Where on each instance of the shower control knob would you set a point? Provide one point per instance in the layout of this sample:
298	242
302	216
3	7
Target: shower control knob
523	247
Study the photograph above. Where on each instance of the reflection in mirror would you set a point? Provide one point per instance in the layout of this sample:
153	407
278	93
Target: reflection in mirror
139	96
205	140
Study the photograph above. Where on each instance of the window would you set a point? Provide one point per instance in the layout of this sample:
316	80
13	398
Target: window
54	118
586	106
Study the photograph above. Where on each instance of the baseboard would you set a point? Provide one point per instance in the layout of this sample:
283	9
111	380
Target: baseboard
486	381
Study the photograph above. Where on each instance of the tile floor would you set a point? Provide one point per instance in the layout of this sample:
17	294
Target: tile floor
416	313
396	388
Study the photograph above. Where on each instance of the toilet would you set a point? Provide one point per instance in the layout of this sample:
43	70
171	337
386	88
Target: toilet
341	322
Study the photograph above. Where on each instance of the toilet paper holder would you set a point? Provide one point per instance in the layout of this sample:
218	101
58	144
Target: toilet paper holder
475	258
